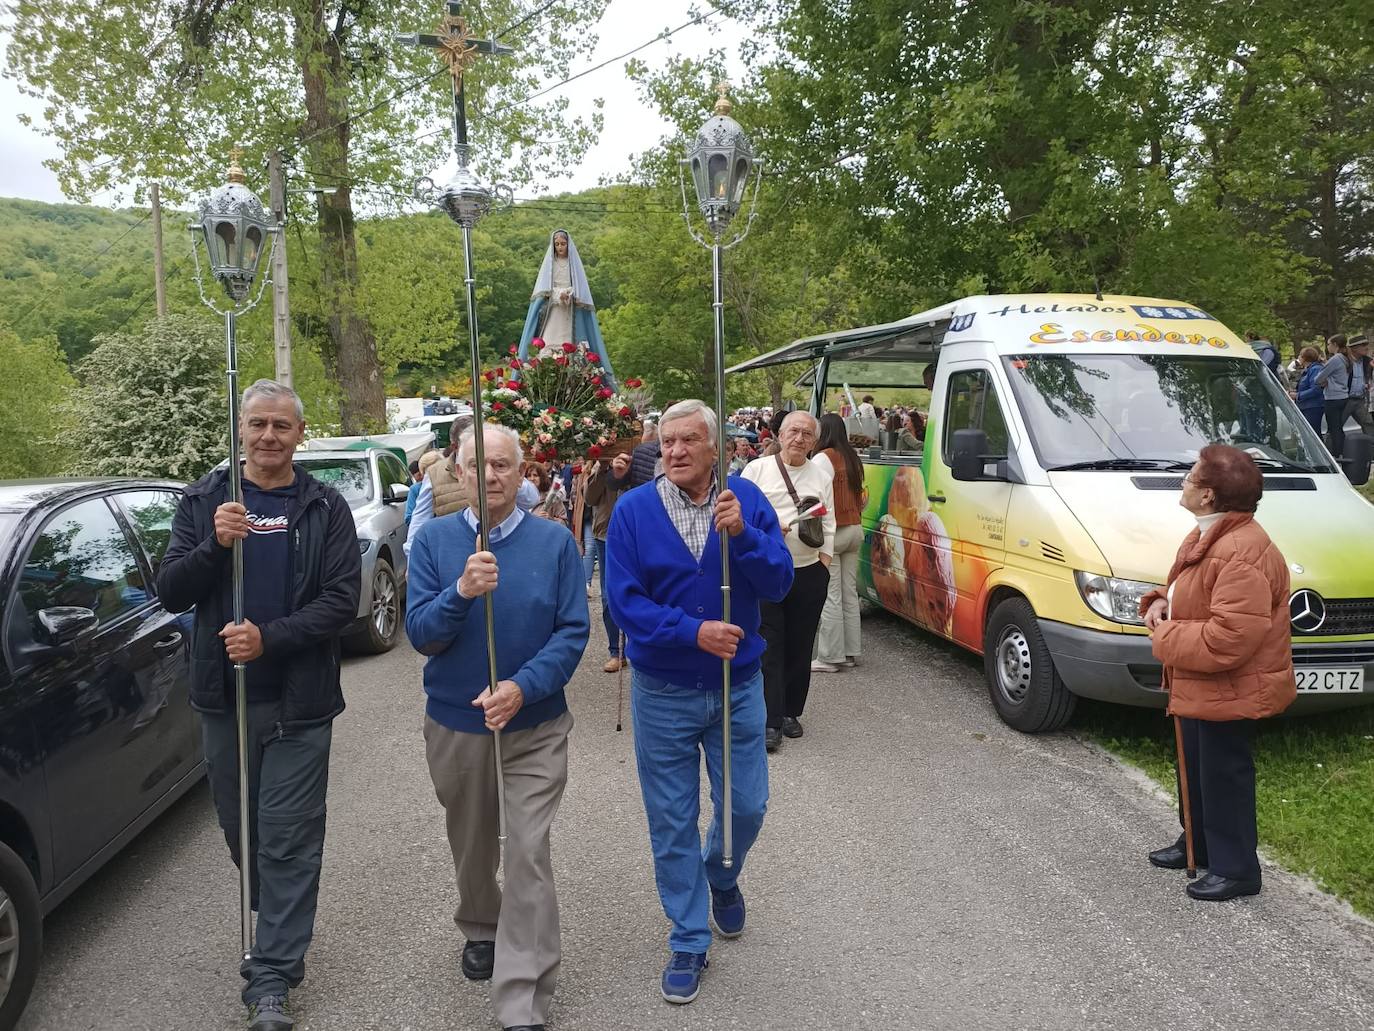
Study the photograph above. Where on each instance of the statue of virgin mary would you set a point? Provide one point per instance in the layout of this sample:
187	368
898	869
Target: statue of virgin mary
561	307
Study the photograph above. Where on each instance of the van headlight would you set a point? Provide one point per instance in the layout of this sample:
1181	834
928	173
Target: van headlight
1114	599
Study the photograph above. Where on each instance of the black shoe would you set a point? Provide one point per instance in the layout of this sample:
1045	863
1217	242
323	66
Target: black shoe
1212	887
772	738
269	1013
478	959
1173	857
791	727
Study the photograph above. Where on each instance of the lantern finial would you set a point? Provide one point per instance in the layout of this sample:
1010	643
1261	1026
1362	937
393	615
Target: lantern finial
236	174
723	105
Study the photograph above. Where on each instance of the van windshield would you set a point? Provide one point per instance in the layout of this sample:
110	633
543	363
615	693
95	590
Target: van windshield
1158	411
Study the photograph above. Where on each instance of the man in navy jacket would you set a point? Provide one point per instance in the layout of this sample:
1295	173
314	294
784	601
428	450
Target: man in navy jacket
302	578
663	577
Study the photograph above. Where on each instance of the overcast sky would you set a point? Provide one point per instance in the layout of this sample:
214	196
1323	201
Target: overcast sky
630	125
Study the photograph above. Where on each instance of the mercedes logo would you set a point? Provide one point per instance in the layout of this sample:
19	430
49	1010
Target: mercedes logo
1306	611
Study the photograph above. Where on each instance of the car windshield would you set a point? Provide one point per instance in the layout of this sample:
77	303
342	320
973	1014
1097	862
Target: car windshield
1158	411
351	477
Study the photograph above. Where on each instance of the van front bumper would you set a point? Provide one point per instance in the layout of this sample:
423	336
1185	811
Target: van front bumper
1121	668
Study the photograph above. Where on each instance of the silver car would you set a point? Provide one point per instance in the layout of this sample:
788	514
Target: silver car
375	484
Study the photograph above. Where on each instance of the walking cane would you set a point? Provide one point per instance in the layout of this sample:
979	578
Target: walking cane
620	684
1184	799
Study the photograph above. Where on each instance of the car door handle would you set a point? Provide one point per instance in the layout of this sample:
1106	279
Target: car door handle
935	499
168	644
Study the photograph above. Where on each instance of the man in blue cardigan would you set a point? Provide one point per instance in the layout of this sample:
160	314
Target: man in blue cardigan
663	578
541	631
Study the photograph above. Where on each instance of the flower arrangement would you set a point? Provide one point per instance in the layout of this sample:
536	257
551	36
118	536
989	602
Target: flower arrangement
558	401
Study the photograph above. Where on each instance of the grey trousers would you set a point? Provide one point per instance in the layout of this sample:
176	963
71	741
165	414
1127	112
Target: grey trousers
288	776
522	920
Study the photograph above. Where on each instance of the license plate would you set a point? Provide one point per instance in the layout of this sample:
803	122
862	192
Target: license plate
1322	680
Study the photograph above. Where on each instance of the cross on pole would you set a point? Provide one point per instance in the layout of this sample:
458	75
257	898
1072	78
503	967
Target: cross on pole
458	49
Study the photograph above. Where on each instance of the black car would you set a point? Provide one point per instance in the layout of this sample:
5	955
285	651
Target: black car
96	733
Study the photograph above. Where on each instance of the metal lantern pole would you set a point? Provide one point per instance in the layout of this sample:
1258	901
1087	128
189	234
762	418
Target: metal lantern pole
720	161
234	226
466	200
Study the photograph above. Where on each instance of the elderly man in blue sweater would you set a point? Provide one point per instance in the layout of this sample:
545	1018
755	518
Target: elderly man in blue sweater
663	578
530	571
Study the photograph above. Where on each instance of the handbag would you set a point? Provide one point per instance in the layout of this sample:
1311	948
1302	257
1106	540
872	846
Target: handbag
809	530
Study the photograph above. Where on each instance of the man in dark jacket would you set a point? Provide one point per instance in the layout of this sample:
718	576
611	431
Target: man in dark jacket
302	578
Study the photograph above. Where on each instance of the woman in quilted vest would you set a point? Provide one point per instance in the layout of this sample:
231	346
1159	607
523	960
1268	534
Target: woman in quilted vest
1221	629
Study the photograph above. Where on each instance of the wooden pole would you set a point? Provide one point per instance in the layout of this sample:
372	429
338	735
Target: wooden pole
281	304
159	277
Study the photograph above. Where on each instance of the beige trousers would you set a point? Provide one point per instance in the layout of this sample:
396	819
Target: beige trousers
838	636
522	919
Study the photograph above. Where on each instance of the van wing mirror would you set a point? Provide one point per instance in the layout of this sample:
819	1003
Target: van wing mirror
966	461
1359	448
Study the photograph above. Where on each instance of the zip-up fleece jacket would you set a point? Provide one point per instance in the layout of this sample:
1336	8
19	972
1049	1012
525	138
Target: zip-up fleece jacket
325	571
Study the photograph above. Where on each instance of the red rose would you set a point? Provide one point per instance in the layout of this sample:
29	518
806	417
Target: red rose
537	343
633	383
488	375
516	363
595	359
569	348
603	393
514	349
596	380
533	363
577	469
497	406
625	412
500	372
593	452
553	410
513	384
561	359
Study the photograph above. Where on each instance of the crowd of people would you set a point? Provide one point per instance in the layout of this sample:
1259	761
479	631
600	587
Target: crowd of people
496	742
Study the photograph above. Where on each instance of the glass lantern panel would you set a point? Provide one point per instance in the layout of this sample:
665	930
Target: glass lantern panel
226	252
252	248
699	179
740	180
717	168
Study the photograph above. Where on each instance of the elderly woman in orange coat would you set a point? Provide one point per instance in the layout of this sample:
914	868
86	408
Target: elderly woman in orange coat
1220	627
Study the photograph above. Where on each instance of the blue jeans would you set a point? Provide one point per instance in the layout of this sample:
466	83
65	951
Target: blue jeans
673	727
612	631
588	548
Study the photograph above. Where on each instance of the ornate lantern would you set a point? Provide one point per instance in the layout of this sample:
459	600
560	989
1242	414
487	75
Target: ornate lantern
720	159
236	229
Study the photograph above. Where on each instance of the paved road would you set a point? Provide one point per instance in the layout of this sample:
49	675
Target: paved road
921	866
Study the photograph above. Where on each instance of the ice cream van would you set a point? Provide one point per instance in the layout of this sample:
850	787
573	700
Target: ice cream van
1044	500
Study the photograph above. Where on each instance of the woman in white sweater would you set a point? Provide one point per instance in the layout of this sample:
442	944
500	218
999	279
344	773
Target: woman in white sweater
789	626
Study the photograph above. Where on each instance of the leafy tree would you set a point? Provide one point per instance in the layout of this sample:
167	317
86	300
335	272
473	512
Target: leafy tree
155	92
152	403
33	380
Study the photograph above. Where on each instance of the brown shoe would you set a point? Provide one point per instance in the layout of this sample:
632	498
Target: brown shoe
613	665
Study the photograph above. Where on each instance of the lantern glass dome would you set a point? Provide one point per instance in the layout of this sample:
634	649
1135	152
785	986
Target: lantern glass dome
720	160
235	226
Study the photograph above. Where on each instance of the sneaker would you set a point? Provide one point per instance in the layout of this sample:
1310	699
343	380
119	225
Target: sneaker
727	909
682	977
850	661
269	1014
817	666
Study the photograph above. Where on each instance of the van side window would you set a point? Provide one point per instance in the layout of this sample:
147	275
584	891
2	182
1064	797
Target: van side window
971	404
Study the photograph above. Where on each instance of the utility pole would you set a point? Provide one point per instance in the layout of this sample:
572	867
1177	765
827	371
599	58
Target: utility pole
160	281
281	308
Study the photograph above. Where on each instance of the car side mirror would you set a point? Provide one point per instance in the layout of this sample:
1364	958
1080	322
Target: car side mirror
65	624
966	461
1359	448
396	494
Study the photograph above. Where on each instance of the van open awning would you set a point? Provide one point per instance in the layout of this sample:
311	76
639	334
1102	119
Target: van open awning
916	338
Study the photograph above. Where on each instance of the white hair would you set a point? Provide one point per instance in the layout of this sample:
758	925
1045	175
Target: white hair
465	440
800	411
687	409
271	389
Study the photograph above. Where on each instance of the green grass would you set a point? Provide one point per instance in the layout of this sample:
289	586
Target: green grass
1314	786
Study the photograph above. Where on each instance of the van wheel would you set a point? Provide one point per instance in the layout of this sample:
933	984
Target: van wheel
386	613
21	936
1025	687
